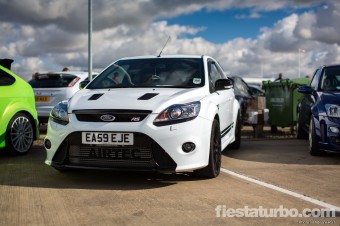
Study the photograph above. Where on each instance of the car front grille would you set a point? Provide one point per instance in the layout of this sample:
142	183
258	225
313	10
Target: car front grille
145	154
114	156
116	115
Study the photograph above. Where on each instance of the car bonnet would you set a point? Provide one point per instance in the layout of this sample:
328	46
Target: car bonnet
330	97
154	99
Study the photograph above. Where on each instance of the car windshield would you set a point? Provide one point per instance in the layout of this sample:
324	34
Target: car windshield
256	90
330	80
52	80
158	72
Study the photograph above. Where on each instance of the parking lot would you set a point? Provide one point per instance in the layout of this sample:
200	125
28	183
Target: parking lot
35	194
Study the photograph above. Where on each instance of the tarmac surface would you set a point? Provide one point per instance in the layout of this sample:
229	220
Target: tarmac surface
33	193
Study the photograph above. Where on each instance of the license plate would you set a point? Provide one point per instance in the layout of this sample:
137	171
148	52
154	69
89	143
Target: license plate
42	99
107	138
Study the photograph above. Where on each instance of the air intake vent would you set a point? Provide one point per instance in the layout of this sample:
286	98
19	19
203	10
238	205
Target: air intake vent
148	96
96	96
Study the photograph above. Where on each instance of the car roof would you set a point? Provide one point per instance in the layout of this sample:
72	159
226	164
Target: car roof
235	77
331	65
163	56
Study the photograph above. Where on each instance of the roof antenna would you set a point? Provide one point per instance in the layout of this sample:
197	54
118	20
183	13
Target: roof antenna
164	46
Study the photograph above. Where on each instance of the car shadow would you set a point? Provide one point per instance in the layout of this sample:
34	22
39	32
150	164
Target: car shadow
282	151
30	171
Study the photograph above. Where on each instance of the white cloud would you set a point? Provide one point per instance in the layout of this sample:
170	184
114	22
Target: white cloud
281	38
322	26
28	66
253	15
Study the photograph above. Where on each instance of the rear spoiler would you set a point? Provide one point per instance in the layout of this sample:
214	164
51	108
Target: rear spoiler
6	63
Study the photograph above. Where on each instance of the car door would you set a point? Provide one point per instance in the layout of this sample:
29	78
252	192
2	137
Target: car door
223	98
6	94
309	100
243	96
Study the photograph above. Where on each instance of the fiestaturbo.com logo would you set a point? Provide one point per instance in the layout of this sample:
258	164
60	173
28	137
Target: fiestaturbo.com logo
223	211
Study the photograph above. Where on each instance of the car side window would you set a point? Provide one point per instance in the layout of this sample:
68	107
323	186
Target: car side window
214	74
315	79
330	79
6	79
243	87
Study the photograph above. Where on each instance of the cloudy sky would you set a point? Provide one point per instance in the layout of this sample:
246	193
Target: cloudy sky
249	38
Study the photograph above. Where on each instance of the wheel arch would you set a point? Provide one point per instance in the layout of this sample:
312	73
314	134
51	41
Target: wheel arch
236	110
217	117
20	107
36	132
35	123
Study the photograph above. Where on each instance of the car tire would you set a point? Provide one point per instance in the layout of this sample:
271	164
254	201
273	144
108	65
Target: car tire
273	129
213	168
300	133
62	169
19	134
237	143
313	143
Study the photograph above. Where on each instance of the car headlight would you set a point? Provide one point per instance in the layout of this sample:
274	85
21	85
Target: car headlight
178	113
333	110
59	113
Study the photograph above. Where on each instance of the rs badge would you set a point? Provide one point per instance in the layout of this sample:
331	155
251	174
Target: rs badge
135	119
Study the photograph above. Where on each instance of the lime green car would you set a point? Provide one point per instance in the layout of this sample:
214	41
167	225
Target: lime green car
18	116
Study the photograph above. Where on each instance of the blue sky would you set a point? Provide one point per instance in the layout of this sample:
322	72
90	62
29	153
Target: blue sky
222	26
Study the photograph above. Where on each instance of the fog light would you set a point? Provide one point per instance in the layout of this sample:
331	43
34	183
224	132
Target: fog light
336	140
47	144
334	129
188	147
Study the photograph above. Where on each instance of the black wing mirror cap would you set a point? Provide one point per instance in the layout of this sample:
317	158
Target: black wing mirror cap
305	89
223	84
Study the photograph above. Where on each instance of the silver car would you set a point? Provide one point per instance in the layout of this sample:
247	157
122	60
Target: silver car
51	88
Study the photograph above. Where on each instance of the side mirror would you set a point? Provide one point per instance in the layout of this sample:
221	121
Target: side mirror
305	89
84	83
223	84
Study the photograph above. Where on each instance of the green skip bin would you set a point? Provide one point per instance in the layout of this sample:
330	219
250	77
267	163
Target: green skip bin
282	99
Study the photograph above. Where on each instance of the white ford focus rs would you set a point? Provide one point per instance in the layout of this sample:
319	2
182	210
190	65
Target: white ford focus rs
165	113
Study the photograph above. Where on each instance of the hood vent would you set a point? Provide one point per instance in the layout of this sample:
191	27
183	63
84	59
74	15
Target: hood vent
96	96
148	96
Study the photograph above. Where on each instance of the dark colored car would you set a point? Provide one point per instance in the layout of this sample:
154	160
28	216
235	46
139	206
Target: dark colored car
243	94
319	111
256	90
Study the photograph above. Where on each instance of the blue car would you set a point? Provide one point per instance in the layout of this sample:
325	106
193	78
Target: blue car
318	115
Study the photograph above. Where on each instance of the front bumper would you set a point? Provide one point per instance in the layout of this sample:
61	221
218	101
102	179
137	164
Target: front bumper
328	140
155	148
145	154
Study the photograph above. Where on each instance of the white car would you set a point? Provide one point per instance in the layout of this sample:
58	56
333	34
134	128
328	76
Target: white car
53	87
168	113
